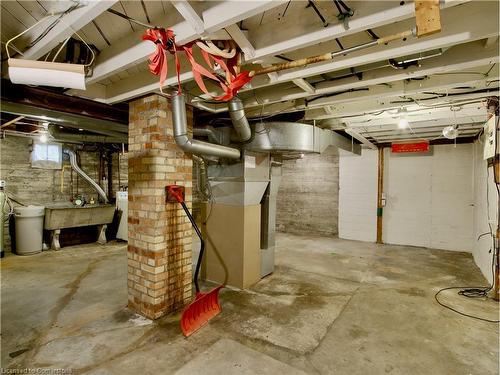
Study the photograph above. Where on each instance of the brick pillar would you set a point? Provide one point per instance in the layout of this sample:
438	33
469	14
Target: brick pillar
159	233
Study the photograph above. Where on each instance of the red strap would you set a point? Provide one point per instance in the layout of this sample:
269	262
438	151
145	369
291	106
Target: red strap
165	41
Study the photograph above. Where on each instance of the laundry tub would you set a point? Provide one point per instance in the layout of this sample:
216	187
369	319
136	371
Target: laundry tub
29	229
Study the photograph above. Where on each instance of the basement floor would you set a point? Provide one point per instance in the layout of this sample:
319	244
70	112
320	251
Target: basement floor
332	306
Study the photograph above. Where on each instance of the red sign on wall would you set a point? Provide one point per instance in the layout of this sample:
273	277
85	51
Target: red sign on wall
410	147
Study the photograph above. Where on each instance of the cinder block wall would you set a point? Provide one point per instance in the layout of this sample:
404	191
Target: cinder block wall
159	233
42	186
308	195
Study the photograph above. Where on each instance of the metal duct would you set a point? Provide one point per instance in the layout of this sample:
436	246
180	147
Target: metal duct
208	131
193	146
69	120
240	122
74	165
59	135
295	137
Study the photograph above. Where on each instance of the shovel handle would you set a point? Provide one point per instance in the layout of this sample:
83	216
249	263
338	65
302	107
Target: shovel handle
202	247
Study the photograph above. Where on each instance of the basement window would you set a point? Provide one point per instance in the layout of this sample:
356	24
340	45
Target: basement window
46	156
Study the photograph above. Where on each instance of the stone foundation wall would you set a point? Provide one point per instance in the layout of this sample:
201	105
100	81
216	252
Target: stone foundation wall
308	196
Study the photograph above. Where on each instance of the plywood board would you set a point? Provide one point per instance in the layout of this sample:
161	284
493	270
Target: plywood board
427	17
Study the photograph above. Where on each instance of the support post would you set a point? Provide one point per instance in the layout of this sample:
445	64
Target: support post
159	233
380	190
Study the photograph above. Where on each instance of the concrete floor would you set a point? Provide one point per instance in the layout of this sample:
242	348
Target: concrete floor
332	307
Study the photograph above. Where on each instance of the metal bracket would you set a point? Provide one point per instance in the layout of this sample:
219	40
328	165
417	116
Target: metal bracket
344	17
174	194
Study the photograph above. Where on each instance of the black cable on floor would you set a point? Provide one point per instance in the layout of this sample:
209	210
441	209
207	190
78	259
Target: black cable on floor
460	312
479	291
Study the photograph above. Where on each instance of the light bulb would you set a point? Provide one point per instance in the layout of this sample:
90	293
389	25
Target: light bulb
403	123
43	138
450	132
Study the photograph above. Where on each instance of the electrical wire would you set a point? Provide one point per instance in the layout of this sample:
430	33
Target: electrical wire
53	24
479	291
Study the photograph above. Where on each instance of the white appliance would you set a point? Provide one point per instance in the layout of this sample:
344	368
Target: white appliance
122	205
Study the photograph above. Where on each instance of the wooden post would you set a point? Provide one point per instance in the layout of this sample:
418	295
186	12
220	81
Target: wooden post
496	260
380	190
496	280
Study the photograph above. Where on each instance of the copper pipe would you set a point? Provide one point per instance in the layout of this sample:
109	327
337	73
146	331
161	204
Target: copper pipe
331	55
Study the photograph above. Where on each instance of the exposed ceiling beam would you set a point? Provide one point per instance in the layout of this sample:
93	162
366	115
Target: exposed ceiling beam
393	82
241	40
189	14
66	27
132	51
358	111
417	125
275	38
353	133
13	121
481	23
304	85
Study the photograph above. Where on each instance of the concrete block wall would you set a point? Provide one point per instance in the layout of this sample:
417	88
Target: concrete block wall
307	200
358	196
42	186
159	233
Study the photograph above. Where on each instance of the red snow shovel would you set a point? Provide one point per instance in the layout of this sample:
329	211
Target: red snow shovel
206	305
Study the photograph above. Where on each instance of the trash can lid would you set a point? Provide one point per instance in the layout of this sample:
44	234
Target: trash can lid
29	211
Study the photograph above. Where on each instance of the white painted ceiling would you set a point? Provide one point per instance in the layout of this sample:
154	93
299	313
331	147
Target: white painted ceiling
457	68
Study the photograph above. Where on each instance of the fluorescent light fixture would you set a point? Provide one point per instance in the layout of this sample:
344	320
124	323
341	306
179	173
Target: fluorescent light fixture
46	73
450	132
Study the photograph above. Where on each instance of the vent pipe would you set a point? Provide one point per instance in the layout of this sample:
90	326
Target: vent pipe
240	122
74	165
193	146
210	132
59	135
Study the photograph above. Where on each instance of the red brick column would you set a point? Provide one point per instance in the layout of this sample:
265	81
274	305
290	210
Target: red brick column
159	233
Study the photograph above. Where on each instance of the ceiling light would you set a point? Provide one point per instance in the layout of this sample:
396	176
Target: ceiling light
44	138
450	132
403	123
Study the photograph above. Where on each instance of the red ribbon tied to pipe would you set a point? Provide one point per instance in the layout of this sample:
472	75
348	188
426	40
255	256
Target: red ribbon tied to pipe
165	41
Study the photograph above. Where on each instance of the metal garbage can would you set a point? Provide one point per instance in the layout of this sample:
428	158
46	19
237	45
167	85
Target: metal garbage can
29	229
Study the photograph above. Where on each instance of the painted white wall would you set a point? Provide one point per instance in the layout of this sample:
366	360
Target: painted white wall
358	196
430	198
481	247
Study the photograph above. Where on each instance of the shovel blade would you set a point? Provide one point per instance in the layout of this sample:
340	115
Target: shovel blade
200	311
